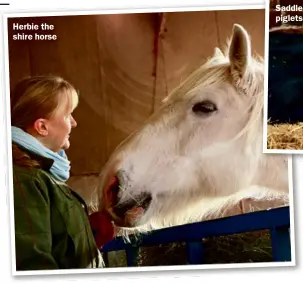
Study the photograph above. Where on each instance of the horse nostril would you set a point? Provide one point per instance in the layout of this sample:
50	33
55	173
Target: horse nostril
113	190
146	200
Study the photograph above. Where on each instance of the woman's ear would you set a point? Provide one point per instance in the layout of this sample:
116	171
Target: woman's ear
40	127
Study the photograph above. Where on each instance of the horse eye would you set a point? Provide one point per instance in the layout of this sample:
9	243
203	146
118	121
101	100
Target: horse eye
204	107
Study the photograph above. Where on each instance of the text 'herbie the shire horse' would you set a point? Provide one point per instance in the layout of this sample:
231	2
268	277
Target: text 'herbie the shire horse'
200	152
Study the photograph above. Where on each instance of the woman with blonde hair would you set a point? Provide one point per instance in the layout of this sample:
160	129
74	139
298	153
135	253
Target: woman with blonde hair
52	225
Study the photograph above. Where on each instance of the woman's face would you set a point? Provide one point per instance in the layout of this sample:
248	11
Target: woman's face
60	124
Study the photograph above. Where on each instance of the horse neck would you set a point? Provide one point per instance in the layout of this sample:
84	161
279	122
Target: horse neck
268	171
272	173
272	169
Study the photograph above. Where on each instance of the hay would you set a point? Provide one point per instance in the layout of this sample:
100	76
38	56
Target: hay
285	136
238	248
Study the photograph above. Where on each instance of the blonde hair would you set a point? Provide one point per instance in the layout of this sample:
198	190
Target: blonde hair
33	98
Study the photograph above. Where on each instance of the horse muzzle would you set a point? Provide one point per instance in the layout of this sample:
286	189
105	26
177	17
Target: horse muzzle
126	212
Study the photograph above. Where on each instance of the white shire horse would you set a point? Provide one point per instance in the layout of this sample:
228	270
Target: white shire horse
200	152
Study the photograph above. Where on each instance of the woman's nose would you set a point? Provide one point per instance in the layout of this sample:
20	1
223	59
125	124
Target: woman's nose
73	122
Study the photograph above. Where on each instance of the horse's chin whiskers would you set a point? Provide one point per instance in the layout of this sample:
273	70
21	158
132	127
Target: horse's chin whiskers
132	197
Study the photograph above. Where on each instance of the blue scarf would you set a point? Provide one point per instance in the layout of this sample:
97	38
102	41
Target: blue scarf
61	166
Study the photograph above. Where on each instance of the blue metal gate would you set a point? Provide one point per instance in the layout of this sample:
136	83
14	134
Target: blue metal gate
277	221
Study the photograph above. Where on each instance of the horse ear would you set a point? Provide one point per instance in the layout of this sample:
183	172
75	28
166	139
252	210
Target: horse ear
239	50
218	52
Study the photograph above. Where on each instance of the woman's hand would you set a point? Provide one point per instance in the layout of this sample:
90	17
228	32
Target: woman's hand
103	228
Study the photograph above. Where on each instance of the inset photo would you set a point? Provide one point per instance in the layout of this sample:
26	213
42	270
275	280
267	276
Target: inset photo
284	99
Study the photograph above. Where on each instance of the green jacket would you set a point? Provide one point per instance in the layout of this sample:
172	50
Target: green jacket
52	229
